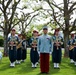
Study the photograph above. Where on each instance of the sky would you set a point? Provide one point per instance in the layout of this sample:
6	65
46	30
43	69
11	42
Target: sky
44	5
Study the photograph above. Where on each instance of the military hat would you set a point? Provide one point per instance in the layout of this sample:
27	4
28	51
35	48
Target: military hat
35	31
19	34
45	27
72	35
13	29
57	30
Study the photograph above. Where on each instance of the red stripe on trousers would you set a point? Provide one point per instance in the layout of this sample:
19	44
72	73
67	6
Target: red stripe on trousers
44	62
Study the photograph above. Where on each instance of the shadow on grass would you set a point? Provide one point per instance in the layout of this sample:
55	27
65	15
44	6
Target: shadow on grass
51	70
4	66
25	67
67	65
72	66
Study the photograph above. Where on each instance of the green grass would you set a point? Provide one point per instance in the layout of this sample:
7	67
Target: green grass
1	37
25	68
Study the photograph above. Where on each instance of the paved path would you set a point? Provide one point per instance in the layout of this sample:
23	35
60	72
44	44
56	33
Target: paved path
1	48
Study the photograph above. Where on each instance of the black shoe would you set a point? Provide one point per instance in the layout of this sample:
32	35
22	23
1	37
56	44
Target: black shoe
55	67
42	72
46	73
58	67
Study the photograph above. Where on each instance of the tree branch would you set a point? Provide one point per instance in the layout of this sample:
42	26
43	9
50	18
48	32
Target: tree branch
8	3
71	8
13	10
31	19
73	26
3	4
1	27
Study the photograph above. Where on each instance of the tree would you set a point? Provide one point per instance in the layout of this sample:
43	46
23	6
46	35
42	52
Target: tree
62	17
23	20
8	21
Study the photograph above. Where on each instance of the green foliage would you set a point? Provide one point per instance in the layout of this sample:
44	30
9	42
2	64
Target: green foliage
29	34
1	42
1	37
39	27
25	0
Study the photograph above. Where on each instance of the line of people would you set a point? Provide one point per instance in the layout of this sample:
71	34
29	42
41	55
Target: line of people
17	48
41	48
49	44
72	49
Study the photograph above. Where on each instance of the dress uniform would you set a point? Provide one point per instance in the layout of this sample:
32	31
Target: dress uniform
24	48
19	49
34	57
12	42
56	54
44	48
74	53
71	49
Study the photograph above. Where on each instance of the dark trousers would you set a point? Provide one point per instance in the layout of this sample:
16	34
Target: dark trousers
12	54
24	54
74	54
56	54
19	52
44	62
34	56
71	54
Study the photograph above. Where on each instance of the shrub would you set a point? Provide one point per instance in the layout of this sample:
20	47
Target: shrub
1	42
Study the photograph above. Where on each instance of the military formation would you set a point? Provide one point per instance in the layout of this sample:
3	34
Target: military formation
41	48
17	48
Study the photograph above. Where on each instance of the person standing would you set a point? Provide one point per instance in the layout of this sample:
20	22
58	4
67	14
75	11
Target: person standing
19	49
34	57
57	53
24	48
44	48
12	43
71	48
74	52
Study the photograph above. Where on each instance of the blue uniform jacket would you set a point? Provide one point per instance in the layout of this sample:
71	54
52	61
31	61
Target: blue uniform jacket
44	44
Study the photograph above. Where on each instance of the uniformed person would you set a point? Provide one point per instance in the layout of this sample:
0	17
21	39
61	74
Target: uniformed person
74	53
44	47
57	53
19	49
34	57
12	43
24	48
71	48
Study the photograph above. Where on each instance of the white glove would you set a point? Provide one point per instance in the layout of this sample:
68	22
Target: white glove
39	53
50	53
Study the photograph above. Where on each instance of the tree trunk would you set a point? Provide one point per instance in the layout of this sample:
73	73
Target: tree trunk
5	45
66	38
23	31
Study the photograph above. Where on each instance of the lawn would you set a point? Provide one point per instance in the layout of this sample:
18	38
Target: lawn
1	37
25	68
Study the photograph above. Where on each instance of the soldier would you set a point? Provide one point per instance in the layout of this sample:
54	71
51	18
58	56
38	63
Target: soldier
34	57
56	54
44	48
12	42
24	48
71	48
19	49
74	53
